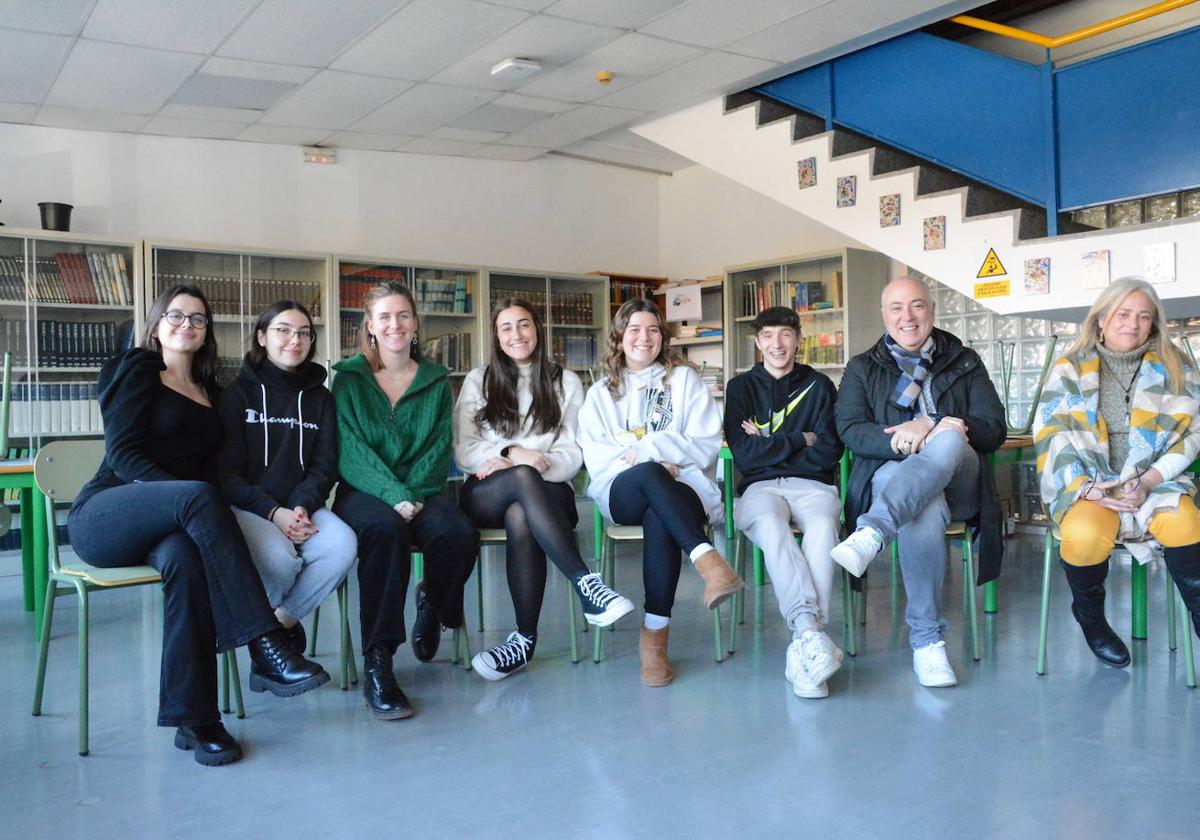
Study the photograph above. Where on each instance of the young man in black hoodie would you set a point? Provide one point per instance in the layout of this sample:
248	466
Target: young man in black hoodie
779	423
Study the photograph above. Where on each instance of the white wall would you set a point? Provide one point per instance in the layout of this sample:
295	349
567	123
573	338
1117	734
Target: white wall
552	213
707	222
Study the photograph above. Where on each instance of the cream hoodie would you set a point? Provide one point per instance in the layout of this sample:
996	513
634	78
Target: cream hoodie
474	445
676	423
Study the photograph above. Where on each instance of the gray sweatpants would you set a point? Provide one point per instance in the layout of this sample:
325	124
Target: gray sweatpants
802	575
299	578
912	501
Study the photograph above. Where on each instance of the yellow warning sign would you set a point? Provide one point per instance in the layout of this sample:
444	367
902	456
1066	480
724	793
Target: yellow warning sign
995	288
991	266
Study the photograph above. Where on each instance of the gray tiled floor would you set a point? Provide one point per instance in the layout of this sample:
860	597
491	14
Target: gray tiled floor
586	751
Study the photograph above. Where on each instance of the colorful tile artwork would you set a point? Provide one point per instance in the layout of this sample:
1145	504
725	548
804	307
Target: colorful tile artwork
1093	269
847	191
889	210
935	233
1037	276
1160	262
806	172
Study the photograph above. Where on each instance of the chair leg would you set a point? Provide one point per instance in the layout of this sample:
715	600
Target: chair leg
1170	611
83	667
1137	592
479	587
349	669
848	614
739	556
223	679
968	552
991	597
573	617
760	567
44	645
1044	620
461	643
235	678
737	605
719	648
312	637
598	637
1187	641
862	603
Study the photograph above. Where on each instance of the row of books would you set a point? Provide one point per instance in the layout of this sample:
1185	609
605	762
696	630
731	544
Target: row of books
623	290
574	351
354	281
349	324
714	378
14	337
700	329
823	348
574	309
452	350
99	277
444	294
817	294
225	293
77	343
50	408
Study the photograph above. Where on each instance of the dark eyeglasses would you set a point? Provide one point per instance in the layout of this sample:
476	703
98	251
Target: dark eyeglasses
286	333
176	318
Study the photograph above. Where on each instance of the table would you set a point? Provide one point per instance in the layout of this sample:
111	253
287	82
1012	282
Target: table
18	474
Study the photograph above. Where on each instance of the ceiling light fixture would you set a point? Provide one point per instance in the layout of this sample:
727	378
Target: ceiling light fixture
318	154
515	69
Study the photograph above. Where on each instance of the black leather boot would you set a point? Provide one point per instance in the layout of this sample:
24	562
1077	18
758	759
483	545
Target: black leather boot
296	637
1184	565
427	629
277	668
1087	605
211	745
383	695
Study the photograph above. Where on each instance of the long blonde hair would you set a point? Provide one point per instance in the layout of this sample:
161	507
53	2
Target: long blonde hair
613	362
1107	303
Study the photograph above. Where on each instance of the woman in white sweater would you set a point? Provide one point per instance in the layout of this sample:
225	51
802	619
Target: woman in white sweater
514	437
650	433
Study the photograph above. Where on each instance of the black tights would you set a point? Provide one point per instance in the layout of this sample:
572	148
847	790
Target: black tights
539	519
672	519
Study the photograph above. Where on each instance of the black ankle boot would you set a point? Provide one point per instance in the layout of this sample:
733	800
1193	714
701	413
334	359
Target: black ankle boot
383	695
1087	605
296	637
277	668
427	629
211	744
1184	565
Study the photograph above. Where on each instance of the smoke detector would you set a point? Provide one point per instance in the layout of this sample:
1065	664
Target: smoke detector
515	69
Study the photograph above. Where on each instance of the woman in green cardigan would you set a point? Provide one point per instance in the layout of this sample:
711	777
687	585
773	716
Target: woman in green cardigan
394	412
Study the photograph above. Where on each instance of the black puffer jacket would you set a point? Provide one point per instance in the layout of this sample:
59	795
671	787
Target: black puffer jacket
281	445
961	388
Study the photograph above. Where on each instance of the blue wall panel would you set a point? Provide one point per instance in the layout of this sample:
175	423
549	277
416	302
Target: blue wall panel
807	90
1129	122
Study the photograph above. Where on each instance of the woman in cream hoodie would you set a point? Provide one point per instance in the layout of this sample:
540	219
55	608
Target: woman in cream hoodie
650	433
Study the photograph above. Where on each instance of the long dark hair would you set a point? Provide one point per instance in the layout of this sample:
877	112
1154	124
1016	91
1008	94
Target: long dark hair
366	341
614	358
257	354
500	407
205	363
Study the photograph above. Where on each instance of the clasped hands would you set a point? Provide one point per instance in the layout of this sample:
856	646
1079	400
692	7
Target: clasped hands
294	523
751	428
1126	496
911	436
516	455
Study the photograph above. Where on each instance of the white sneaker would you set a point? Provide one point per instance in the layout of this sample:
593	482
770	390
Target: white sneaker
803	685
932	667
857	551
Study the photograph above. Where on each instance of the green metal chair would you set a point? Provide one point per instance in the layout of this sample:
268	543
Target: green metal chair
349	671
61	468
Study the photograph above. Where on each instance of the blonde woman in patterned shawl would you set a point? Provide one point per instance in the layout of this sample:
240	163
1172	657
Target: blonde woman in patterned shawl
1115	430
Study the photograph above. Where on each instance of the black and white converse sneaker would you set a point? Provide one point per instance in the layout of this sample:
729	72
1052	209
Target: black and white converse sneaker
601	605
502	660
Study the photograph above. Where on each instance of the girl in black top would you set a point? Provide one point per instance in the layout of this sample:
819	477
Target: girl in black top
154	501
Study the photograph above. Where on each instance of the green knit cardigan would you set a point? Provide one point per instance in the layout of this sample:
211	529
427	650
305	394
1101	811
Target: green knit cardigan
397	453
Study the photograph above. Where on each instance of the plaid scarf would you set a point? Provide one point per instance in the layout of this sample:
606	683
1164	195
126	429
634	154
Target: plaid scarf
913	370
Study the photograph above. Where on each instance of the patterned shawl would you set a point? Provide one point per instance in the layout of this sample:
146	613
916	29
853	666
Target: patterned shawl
1071	440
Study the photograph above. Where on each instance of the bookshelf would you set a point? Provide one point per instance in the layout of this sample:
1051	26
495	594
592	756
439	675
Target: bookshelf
67	303
240	284
836	295
622	287
701	341
575	308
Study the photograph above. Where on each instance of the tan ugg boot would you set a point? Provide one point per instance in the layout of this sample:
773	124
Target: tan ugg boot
656	669
720	580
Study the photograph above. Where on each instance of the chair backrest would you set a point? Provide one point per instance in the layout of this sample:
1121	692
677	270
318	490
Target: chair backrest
60	469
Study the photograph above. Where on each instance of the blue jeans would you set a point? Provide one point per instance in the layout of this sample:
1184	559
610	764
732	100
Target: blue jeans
912	501
213	600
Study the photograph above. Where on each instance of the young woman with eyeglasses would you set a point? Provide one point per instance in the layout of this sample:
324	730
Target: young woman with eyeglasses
279	463
155	501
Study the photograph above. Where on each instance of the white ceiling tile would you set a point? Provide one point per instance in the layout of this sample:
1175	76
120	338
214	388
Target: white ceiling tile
29	61
237	92
180	25
63	17
334	100
466	134
283	135
115	77
848	26
627	14
366	142
631	59
527	5
627	139
572	126
201	112
307	32
495	151
422	109
179	127
434	146
427	36
714	23
499	118
88	120
552	42
12	112
713	72
218	66
662	160
533	103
